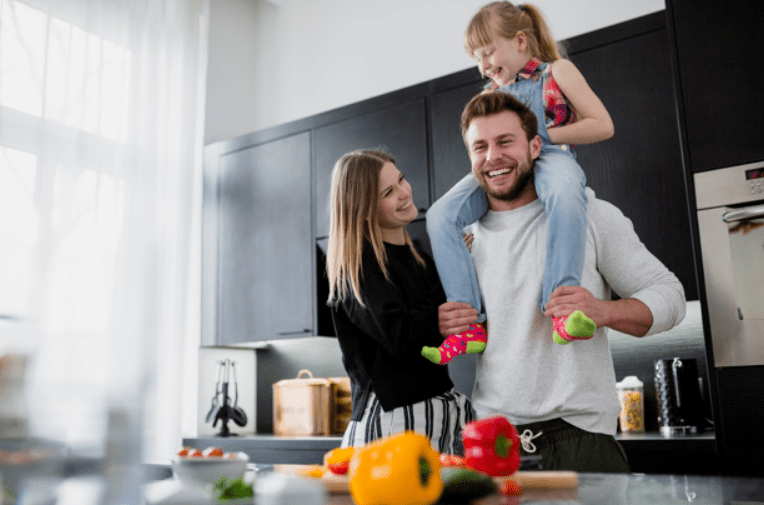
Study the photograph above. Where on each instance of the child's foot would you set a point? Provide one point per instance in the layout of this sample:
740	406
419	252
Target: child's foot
471	341
575	326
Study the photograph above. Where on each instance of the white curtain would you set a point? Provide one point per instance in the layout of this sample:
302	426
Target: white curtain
101	133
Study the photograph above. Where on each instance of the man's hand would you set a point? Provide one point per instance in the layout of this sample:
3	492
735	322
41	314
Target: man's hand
468	238
455	317
628	315
566	299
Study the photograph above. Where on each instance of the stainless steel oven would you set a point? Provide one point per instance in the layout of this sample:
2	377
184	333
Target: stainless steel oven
730	205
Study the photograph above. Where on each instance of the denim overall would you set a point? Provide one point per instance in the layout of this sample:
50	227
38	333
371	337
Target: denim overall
560	184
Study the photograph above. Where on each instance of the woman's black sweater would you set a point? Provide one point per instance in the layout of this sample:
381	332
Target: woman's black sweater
381	343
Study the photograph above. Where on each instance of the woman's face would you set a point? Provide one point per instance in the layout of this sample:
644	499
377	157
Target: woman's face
395	206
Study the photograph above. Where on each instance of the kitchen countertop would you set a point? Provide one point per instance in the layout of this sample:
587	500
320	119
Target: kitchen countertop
624	489
634	489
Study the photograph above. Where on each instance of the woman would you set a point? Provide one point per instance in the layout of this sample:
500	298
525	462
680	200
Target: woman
384	295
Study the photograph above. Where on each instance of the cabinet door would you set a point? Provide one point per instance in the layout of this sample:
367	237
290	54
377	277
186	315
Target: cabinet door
721	69
265	246
640	169
450	160
398	130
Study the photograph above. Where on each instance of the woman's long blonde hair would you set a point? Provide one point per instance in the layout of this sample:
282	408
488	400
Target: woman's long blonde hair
506	19
353	220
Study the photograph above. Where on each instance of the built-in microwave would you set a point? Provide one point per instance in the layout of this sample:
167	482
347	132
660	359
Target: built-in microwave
730	204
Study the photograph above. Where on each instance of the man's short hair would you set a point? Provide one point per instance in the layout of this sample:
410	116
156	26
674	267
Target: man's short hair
489	103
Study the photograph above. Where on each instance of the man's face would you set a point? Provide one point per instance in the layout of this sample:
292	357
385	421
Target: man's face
502	157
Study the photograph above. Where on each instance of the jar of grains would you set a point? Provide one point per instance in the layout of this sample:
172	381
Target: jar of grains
631	395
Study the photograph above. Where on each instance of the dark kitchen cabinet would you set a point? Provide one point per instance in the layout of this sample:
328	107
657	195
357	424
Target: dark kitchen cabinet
264	274
640	169
720	72
449	155
400	130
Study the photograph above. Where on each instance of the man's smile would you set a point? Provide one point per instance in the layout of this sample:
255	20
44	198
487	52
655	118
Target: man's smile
499	171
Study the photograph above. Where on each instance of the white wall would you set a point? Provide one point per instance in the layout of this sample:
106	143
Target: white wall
276	61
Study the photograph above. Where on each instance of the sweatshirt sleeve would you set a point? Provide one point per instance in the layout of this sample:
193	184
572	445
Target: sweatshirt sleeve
401	327
631	270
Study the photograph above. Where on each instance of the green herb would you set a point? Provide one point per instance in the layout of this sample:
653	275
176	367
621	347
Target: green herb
227	489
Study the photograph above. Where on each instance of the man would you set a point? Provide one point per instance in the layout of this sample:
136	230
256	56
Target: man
562	397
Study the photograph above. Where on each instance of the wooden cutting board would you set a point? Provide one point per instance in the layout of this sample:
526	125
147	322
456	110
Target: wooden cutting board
549	479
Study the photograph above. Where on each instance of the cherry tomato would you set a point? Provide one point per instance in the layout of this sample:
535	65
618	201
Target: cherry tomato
212	452
340	468
511	487
451	460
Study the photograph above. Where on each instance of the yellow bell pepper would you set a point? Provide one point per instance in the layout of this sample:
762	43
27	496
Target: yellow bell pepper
401	469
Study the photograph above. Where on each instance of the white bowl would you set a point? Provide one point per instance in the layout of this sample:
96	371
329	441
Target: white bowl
204	471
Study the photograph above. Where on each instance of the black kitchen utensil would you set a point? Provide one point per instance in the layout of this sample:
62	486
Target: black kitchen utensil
228	412
215	405
238	414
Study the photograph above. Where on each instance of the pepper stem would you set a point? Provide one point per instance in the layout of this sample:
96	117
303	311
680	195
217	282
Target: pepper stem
424	471
503	445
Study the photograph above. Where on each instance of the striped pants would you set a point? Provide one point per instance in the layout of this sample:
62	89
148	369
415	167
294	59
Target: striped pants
441	418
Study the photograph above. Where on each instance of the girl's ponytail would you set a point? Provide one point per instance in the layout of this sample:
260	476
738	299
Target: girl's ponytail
547	48
507	19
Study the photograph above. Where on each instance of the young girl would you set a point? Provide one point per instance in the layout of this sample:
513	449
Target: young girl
514	48
384	296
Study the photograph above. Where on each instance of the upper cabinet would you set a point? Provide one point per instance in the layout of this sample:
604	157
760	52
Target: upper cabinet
449	154
721	74
399	130
263	276
639	169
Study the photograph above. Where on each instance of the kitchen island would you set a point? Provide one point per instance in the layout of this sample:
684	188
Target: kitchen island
631	489
619	489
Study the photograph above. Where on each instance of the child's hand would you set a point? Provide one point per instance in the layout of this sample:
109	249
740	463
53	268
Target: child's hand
455	317
468	238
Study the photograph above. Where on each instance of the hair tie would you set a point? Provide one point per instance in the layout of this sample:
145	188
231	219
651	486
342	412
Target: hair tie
521	7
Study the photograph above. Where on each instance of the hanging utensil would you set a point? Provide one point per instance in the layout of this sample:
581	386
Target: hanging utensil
224	414
215	405
237	415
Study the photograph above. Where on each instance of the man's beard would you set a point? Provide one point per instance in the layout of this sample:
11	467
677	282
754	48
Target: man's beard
524	178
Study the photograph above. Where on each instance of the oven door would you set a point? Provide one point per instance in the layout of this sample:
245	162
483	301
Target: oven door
732	244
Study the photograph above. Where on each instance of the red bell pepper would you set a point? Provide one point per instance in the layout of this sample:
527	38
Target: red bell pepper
492	446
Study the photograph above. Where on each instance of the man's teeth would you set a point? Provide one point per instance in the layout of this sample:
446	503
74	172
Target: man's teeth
501	171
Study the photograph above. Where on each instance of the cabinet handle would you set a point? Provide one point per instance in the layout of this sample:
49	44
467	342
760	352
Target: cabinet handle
294	332
743	214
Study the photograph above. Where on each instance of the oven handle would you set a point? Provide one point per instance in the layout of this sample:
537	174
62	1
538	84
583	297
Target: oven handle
743	214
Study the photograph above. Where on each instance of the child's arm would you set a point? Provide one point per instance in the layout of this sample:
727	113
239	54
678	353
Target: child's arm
593	123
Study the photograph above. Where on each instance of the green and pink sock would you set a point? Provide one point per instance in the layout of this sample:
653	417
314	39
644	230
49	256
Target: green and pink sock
575	326
471	341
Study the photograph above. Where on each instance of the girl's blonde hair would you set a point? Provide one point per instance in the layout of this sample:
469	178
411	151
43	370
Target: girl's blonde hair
506	19
353	220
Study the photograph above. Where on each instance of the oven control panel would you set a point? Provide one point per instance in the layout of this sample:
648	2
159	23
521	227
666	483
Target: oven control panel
755	178
729	186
